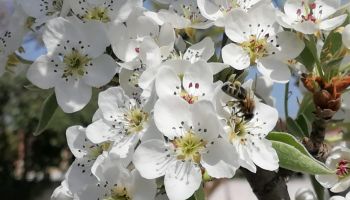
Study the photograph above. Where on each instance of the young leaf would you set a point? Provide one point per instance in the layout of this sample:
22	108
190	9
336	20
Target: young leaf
303	124
199	194
294	128
293	155
47	110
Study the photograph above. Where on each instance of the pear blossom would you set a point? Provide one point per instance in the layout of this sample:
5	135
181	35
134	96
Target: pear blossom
127	39
217	10
247	133
339	161
75	62
86	153
11	37
104	11
181	14
310	17
124	121
187	81
259	40
192	143
201	51
116	182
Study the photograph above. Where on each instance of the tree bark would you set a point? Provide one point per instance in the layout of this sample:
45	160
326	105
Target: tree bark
268	185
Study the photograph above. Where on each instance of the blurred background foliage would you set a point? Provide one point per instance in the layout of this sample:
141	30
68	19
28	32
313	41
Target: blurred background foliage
29	164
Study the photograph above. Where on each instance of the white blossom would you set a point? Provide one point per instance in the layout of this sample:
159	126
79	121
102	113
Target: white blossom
310	16
192	142
339	161
247	122
75	62
259	40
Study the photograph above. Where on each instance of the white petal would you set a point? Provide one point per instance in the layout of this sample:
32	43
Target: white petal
167	37
275	70
236	25
209	9
72	95
263	155
100	71
306	27
79	175
220	161
99	132
77	141
205	121
182	180
123	147
333	23
198	80
327	180
58	30
264	120
341	186
62	193
143	189
151	160
203	50
290	45
110	100
169	120
42	72
167	82
235	56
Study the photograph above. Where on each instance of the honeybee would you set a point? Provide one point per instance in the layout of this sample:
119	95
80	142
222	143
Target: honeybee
244	99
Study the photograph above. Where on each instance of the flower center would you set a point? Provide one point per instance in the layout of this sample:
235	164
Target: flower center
119	193
189	147
98	149
343	168
136	120
228	6
191	99
75	64
239	129
307	14
257	48
99	14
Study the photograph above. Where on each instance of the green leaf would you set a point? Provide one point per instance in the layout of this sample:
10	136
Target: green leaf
311	45
294	128
332	53
307	107
303	124
293	155
307	59
319	189
199	194
47	111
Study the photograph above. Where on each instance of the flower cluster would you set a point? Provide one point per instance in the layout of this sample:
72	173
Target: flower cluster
171	121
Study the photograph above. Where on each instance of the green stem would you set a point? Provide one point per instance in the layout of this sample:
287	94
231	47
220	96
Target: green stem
286	97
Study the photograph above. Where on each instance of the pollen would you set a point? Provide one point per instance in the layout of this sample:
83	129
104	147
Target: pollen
136	120
257	48
75	64
189	147
99	14
119	193
343	168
